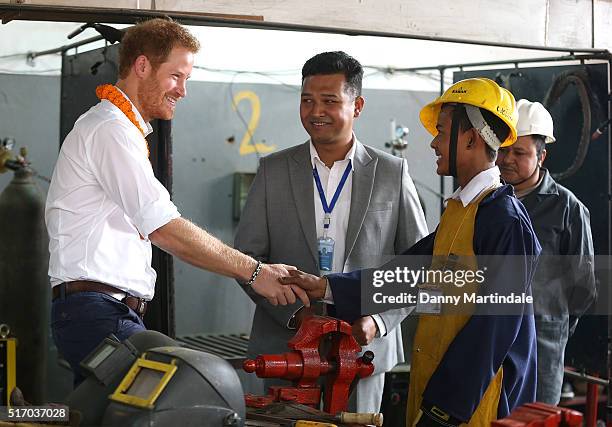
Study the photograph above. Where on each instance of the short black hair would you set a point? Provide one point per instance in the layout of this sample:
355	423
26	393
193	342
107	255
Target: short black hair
540	144
501	129
336	62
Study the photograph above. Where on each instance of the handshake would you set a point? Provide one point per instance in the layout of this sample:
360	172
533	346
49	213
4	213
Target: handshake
284	284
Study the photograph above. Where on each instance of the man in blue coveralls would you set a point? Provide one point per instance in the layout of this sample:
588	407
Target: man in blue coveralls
564	285
469	367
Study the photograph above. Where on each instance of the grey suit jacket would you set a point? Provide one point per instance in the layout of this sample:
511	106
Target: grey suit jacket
278	226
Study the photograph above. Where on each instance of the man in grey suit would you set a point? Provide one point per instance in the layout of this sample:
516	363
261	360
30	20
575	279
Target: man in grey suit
330	205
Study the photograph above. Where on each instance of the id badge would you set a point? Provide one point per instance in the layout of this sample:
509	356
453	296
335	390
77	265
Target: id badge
428	301
326	253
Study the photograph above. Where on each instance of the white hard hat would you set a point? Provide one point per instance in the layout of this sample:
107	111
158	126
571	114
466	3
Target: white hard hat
534	119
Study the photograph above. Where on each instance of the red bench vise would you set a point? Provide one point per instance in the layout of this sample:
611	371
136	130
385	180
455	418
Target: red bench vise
304	365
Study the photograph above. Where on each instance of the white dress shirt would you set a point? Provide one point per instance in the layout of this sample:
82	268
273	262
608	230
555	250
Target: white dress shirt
483	181
330	179
103	202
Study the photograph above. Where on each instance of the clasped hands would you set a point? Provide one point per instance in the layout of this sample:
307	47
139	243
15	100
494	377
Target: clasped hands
280	284
364	328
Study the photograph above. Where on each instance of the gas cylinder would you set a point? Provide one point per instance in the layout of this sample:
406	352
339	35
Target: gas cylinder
25	299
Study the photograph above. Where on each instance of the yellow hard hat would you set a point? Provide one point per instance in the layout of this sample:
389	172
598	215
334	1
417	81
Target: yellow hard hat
479	92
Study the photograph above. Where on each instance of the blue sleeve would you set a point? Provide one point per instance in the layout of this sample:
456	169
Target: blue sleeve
346	290
482	346
346	287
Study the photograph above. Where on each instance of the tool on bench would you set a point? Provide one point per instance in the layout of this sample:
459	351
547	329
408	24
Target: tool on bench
287	422
296	411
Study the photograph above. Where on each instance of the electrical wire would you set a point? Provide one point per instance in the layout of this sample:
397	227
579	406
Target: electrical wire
271	75
268	74
30	72
389	71
230	89
236	73
39	176
229	70
580	80
14	55
428	188
29	62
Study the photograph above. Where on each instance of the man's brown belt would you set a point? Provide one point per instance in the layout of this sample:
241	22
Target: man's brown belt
139	305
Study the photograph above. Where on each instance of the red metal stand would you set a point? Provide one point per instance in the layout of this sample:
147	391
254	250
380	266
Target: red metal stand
592	398
540	415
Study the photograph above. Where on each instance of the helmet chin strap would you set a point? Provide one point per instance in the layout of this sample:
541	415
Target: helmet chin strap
452	146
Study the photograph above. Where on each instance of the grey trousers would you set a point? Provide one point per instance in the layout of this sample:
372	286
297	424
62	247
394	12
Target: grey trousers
552	334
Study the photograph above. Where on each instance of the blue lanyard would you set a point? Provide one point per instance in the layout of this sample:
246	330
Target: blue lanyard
329	208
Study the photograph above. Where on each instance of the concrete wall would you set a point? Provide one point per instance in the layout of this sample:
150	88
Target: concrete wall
29	112
204	164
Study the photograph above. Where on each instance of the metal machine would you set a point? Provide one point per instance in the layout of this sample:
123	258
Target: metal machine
399	139
7	365
177	386
305	365
24	286
105	368
149	379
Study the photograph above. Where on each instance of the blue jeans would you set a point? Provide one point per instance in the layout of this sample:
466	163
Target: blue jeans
81	321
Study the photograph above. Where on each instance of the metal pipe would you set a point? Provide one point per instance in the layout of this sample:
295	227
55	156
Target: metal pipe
609	249
586	378
70	14
592	23
602	55
61	106
62	49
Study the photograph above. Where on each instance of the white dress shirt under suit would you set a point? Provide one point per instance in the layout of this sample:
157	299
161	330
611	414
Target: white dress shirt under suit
330	179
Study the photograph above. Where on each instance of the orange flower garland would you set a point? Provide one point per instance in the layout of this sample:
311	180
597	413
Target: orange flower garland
112	94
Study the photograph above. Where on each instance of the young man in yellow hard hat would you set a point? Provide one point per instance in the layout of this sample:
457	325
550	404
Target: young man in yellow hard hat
477	364
564	283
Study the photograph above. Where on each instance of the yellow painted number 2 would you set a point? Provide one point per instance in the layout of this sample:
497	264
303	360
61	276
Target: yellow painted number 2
247	145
